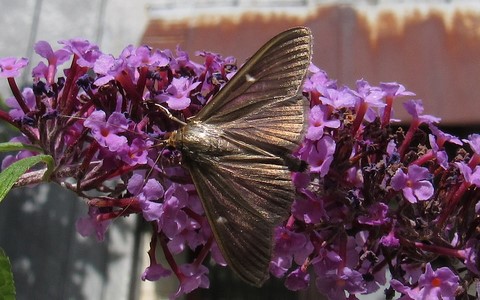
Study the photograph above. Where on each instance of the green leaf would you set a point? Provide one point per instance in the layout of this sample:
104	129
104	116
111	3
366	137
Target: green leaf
9	146
7	287
10	175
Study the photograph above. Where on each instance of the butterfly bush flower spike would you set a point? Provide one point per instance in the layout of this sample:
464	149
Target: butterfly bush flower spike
374	200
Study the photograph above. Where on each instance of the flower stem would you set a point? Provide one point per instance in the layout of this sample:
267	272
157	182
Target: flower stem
387	111
18	95
408	138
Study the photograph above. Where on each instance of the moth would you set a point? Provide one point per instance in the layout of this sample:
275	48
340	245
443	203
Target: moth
238	151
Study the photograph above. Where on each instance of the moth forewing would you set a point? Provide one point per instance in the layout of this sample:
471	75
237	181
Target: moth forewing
238	147
275	72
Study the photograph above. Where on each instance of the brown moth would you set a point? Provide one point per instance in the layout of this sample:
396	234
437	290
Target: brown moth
238	151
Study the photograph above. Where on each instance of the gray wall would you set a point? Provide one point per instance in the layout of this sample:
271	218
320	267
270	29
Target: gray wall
50	260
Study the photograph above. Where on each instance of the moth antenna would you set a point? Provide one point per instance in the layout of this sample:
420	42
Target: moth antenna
161	160
157	160
169	114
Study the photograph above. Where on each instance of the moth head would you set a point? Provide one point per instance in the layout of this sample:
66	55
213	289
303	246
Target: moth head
175	139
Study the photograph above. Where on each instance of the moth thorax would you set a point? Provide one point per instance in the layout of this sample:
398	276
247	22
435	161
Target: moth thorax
205	139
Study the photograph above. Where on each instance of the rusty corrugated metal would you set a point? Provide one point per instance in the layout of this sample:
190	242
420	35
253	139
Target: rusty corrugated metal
433	50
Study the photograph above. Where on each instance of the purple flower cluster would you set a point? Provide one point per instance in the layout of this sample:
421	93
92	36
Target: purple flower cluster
374	199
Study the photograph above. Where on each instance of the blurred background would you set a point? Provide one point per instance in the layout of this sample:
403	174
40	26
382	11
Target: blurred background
432	47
